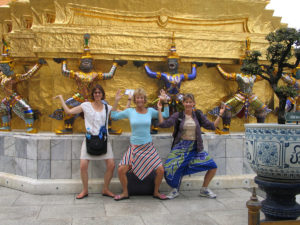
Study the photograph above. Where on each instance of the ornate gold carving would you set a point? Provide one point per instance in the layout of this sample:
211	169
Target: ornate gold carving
162	17
8	26
49	16
162	20
27	21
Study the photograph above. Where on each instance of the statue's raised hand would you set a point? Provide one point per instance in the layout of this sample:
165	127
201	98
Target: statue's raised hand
208	65
59	60
42	61
121	62
138	63
198	64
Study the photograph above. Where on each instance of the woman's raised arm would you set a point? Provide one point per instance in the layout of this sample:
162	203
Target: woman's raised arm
75	110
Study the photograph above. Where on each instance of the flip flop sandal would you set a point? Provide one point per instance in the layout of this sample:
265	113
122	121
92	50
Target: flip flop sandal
84	196
106	195
161	197
119	198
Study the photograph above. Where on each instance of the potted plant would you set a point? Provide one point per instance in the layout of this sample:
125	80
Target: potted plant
273	150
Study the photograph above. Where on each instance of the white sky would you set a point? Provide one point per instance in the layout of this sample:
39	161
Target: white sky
289	10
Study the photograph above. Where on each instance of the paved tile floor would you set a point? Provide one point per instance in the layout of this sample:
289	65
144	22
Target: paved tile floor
19	208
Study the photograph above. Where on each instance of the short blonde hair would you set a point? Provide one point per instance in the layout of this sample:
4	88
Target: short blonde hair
139	91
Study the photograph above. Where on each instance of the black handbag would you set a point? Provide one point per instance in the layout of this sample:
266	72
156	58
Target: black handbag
97	144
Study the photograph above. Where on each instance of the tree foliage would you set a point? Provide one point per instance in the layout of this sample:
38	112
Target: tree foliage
284	44
286	91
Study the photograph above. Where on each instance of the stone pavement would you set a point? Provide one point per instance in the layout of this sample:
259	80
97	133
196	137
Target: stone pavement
19	208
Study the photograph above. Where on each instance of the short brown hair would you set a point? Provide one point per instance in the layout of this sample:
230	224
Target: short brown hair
139	91
98	86
188	95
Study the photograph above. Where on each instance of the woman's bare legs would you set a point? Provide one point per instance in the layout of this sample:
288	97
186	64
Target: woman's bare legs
122	170
158	179
204	191
208	177
84	165
110	166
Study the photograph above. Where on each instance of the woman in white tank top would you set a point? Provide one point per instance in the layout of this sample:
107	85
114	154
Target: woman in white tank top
94	118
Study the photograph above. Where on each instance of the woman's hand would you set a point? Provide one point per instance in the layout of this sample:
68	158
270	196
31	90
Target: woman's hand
129	100
117	99
130	95
222	109
58	97
163	96
119	95
67	110
221	112
159	106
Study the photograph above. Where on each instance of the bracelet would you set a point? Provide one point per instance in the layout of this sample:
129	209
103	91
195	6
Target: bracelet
129	99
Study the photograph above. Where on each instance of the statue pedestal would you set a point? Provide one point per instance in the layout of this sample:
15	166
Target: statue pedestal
280	203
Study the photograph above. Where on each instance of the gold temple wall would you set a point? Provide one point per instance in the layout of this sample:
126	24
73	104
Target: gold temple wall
205	31
209	89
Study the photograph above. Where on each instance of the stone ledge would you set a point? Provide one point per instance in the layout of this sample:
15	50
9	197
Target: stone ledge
71	186
50	156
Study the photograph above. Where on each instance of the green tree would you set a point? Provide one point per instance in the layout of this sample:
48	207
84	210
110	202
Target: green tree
284	44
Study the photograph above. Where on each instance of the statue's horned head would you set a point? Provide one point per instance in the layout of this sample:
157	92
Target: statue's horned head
86	61
86	65
173	64
6	68
173	57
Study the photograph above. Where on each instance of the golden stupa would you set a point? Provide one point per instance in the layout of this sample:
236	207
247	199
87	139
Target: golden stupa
204	31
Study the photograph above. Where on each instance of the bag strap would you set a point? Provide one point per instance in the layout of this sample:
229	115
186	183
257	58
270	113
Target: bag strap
106	111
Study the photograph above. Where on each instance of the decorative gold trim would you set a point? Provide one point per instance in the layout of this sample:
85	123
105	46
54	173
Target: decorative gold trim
8	26
158	75
27	21
160	17
49	16
162	20
186	76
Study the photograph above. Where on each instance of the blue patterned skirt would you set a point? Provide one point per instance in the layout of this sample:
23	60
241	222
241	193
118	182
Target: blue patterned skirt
184	160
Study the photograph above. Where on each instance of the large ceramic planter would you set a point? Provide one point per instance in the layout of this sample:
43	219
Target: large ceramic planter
273	151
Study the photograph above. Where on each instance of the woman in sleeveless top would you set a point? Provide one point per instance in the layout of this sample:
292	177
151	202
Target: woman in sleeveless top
94	118
141	157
